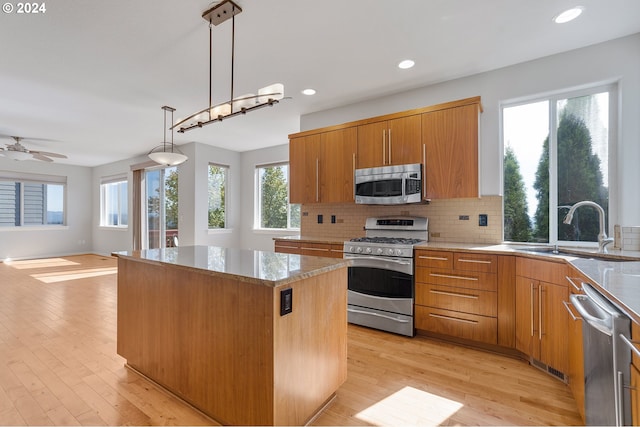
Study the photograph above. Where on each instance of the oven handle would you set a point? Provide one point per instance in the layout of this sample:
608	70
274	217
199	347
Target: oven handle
377	258
352	310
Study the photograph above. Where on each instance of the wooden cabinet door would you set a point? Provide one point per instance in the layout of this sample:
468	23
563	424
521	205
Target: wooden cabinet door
635	396
554	347
404	140
372	145
450	139
303	169
337	165
526	316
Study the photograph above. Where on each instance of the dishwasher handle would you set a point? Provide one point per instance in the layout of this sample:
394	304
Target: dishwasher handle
603	325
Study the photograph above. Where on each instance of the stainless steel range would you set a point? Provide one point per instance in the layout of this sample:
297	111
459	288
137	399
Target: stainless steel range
381	282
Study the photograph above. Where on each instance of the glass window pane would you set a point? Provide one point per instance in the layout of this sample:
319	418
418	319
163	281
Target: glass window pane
55	204
171	205
217	187
583	158
526	143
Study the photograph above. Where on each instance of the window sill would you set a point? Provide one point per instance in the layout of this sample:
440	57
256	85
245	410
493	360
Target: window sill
112	228
276	230
219	230
36	228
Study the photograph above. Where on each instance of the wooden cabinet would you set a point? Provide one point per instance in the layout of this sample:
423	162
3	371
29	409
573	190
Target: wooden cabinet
322	167
456	294
390	142
324	249
542	320
450	152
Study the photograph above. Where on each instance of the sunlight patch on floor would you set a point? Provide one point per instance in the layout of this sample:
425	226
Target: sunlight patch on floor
74	274
410	406
40	263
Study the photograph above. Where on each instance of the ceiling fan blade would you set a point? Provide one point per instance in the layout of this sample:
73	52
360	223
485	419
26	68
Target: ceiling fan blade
39	156
46	153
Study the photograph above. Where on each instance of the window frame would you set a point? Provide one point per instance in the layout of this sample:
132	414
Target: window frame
226	168
257	223
613	89
38	179
107	181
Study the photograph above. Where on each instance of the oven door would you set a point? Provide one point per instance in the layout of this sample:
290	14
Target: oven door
381	283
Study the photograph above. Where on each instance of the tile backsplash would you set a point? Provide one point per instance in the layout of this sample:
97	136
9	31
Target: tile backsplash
451	220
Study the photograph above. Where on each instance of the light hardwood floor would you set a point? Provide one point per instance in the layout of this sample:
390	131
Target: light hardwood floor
58	366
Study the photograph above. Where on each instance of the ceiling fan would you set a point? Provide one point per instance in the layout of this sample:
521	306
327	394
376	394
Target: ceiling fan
17	151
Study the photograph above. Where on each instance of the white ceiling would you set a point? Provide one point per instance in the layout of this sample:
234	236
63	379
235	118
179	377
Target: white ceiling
90	77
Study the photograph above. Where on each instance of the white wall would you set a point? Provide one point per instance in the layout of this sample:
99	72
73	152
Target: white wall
249	237
36	242
617	60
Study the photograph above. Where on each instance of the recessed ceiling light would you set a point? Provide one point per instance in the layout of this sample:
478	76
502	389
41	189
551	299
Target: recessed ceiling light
407	63
568	15
309	91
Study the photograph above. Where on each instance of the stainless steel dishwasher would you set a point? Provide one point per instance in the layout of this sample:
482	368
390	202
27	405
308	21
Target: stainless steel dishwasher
606	359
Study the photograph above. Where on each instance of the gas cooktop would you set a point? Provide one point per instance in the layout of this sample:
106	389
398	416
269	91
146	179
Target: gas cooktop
388	240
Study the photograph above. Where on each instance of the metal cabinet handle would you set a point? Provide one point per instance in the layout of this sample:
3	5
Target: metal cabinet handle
436	258
573	316
317	179
631	344
315	249
424	167
384	146
453	294
532	298
447	276
540	290
476	261
576	287
389	146
455	319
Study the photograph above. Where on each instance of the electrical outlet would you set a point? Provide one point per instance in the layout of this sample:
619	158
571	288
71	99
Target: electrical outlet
286	301
305	213
320	219
434	234
463	217
333	219
483	220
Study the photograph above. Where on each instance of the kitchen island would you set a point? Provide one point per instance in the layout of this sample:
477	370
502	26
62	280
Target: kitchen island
211	326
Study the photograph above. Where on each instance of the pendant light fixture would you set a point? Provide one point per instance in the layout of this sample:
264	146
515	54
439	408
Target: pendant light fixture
267	96
167	153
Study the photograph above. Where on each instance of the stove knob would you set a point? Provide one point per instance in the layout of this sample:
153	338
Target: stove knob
390	251
367	250
352	249
398	252
359	249
379	251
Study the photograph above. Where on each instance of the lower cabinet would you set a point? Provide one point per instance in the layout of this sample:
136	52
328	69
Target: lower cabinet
542	321
331	250
456	294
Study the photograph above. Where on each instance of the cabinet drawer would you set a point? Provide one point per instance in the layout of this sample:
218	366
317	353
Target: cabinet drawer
316	249
458	299
461	325
475	262
434	259
336	250
458	279
287	247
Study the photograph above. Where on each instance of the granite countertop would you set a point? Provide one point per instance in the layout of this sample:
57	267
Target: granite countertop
310	239
259	267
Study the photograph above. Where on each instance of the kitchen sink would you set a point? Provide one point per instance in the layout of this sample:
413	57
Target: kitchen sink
579	253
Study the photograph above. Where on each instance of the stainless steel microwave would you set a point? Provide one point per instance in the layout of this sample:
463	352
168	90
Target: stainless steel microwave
389	185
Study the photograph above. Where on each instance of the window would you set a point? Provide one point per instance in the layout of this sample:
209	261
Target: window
114	203
217	189
30	200
273	208
557	152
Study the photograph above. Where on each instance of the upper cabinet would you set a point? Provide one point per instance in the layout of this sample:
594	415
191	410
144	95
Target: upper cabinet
390	142
322	167
443	138
450	150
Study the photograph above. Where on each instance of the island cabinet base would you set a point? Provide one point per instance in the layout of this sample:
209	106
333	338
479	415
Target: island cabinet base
220	343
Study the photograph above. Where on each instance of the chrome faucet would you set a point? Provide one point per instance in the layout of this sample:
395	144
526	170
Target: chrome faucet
603	240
